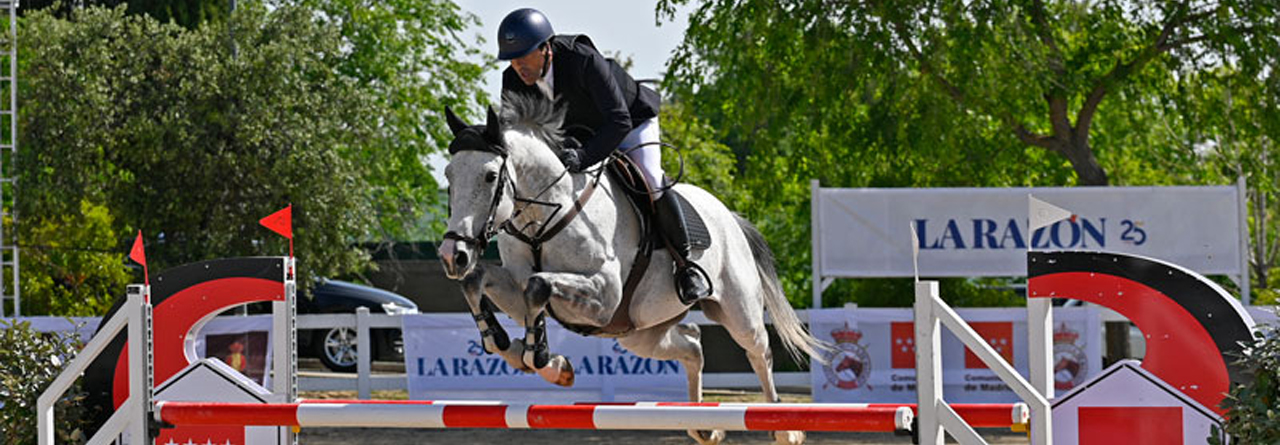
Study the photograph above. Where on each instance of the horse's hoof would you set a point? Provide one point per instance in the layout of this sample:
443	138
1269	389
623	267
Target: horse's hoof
559	372
537	290
707	437
567	376
788	437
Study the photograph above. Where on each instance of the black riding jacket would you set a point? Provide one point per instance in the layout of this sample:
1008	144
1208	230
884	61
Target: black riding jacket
596	91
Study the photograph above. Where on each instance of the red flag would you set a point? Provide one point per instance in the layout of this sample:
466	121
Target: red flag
280	222
139	254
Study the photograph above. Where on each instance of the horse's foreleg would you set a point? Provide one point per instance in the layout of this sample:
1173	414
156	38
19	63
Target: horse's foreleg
538	292
498	283
492	336
586	298
554	368
478	288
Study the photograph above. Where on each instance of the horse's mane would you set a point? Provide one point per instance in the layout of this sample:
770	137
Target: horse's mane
540	117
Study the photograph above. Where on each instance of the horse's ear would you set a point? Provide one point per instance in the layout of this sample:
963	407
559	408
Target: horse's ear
455	123
493	127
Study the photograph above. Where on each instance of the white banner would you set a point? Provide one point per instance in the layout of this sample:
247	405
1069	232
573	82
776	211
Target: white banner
983	231
876	358
1267	315
444	360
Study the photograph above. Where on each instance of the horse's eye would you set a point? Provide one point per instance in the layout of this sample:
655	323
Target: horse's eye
491	176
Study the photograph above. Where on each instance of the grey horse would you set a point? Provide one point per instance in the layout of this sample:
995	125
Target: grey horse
506	180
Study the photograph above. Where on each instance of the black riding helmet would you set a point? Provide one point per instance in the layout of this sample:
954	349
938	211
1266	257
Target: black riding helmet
521	32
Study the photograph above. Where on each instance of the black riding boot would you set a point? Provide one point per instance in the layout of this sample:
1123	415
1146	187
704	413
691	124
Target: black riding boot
691	283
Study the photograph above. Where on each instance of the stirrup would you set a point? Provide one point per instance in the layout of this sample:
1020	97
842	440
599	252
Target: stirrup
696	275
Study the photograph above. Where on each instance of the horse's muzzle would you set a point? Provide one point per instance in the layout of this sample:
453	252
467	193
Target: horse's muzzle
456	257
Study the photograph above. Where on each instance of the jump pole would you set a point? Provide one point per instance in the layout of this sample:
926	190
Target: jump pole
978	415
747	417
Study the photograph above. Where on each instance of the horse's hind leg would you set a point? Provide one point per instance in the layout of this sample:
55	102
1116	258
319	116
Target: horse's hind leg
754	338
683	342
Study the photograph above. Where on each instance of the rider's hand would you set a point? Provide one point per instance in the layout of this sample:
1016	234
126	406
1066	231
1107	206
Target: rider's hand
571	156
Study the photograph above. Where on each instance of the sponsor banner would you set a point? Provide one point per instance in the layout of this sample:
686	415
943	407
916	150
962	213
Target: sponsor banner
984	231
875	358
444	359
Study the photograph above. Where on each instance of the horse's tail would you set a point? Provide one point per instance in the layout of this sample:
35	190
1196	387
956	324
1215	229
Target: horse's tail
795	337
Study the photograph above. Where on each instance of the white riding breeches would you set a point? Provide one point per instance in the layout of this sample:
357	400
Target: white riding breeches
648	157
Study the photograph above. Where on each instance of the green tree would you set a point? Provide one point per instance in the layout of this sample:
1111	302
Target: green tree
193	135
1038	71
926	94
1251	405
1236	123
189	14
407	57
71	263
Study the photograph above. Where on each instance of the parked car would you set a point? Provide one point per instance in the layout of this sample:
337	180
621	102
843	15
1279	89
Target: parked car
336	347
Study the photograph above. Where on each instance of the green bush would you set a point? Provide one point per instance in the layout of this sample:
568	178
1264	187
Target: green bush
1254	407
73	267
29	362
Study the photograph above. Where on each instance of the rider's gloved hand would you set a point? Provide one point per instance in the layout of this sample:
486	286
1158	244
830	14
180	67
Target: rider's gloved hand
571	155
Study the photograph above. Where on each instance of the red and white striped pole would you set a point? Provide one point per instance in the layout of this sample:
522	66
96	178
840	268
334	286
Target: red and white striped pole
977	415
739	417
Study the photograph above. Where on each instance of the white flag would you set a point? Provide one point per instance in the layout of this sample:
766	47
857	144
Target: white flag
915	251
1044	214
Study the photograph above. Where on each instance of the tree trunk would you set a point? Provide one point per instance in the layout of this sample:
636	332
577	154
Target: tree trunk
1078	152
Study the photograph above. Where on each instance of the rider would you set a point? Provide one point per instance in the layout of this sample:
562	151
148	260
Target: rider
597	94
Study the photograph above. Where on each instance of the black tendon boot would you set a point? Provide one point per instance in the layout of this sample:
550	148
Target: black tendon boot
691	281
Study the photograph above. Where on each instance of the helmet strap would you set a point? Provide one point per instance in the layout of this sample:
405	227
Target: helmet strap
546	59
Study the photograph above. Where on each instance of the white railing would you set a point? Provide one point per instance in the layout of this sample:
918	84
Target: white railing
136	316
933	413
364	382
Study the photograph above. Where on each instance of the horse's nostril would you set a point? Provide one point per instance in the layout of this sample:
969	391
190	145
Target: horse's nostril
460	259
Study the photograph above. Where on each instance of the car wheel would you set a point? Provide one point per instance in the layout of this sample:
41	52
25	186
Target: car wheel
336	348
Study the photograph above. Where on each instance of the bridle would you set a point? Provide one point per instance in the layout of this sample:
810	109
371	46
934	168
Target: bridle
545	231
489	228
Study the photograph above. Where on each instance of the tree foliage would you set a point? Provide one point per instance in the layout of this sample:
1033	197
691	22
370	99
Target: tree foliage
73	266
193	135
927	93
1253	417
1036	71
407	56
189	14
29	362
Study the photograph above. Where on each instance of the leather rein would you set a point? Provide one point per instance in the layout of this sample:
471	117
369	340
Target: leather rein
545	232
